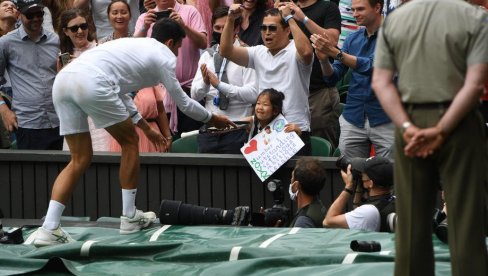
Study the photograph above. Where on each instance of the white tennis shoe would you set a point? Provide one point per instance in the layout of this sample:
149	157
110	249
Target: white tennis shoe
140	221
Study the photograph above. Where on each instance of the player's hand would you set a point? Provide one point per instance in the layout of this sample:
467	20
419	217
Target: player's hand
221	122
156	138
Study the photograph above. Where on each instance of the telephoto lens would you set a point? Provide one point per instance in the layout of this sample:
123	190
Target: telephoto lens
365	246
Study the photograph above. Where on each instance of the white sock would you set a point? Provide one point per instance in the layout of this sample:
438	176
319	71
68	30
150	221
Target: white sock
129	202
53	216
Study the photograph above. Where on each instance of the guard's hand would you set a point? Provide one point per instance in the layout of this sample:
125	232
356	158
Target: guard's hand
221	122
425	142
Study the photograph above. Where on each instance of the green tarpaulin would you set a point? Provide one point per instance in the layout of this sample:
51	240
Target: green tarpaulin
210	250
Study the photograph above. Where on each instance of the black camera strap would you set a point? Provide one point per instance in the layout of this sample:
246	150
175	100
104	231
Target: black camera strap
385	205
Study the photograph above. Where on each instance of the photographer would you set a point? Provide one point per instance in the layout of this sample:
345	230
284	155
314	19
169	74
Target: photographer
307	180
376	175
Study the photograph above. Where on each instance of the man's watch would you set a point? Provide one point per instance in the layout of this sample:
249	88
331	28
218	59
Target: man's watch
339	56
406	125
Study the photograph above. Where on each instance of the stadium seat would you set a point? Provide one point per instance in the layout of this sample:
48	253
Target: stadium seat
320	146
186	144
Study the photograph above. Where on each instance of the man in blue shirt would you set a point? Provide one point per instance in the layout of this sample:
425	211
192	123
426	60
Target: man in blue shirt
363	122
29	54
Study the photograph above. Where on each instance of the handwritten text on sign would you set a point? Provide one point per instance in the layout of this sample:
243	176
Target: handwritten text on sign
271	148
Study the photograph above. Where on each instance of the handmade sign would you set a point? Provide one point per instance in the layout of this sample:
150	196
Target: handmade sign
271	148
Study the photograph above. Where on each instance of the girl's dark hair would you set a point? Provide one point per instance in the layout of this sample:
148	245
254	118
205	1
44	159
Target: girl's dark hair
65	43
116	1
275	97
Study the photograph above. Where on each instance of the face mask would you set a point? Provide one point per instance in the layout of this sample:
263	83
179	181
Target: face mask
293	195
216	38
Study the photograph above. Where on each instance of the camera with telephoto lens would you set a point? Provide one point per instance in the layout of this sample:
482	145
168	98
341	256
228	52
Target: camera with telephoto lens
178	213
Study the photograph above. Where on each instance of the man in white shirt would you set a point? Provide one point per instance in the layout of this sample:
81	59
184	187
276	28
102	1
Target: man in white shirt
229	90
280	63
375	175
96	84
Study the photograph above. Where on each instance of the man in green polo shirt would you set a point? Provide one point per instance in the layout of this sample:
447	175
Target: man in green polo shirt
439	50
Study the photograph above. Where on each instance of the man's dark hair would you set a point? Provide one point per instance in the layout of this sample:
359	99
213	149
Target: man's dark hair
276	12
311	175
166	29
222	11
373	3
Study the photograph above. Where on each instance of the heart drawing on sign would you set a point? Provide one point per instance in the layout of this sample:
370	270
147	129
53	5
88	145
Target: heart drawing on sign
253	146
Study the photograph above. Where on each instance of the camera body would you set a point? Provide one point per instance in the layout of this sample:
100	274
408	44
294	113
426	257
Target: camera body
162	14
275	214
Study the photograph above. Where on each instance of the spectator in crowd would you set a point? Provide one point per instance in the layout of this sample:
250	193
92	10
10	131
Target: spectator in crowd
374	176
75	39
251	19
227	89
32	115
440	135
101	21
307	180
363	122
187	63
319	17
110	108
148	100
8	16
119	15
280	63
149	103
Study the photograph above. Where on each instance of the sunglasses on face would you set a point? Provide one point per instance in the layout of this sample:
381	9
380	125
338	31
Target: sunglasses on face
74	29
271	28
31	16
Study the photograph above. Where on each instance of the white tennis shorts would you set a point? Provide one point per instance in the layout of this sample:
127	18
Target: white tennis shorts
82	91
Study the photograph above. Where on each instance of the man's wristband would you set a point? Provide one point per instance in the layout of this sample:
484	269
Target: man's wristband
2	102
305	20
287	18
349	191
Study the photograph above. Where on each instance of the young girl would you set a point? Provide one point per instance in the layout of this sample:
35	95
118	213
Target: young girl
269	104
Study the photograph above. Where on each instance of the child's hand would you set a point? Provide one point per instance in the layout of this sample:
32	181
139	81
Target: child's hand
293	127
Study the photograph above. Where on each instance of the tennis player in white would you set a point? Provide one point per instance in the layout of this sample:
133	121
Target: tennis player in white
96	85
